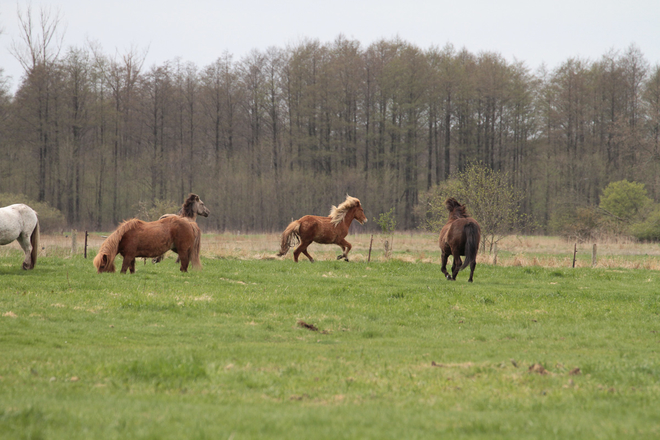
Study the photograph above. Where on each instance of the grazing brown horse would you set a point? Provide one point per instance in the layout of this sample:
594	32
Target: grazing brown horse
460	236
136	238
191	208
325	230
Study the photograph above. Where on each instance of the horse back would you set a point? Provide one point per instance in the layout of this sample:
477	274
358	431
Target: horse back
152	239
453	234
320	229
16	219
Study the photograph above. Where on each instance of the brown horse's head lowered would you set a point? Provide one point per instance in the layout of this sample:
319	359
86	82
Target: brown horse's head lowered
135	238
326	230
460	236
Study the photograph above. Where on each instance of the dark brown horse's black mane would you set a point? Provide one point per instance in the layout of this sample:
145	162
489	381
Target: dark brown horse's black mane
187	209
456	210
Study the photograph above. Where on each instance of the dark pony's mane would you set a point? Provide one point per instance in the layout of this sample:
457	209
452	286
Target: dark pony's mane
187	209
456	210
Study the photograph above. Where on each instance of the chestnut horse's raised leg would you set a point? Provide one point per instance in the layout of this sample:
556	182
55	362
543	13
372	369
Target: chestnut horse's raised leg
302	248
346	248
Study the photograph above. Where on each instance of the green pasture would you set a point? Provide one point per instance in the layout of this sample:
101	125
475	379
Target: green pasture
391	350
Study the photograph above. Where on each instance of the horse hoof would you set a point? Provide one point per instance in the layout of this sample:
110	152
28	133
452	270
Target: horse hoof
339	257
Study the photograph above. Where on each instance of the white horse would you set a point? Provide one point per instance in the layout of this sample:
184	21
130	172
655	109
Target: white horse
20	222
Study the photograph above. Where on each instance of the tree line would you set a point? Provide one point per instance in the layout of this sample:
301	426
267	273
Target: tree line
291	130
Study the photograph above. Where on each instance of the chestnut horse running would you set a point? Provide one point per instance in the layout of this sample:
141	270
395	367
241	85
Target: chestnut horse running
460	236
325	230
135	238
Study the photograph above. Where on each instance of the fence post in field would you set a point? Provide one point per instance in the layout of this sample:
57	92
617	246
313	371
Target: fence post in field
593	257
85	252
574	253
370	244
73	242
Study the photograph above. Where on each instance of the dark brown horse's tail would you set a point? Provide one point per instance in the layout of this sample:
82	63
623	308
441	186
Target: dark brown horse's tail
197	245
471	244
290	237
34	242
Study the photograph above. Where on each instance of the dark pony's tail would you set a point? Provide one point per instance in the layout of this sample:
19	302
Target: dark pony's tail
290	237
471	244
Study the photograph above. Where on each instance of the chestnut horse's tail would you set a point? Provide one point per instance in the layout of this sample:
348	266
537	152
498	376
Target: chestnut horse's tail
290	237
197	245
105	259
471	243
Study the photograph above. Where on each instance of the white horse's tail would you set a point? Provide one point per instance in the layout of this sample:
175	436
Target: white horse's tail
34	242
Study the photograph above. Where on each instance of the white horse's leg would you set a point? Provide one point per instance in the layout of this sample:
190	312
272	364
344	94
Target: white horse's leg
24	241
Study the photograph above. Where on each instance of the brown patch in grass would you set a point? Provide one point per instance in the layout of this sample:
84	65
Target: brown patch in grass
575	372
311	327
538	369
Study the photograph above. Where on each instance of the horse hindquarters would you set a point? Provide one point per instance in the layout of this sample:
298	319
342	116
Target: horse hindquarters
472	236
188	244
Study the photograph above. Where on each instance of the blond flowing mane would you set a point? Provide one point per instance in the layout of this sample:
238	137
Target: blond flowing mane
337	213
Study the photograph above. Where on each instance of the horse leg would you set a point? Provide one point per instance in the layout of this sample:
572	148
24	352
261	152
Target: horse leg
456	266
24	241
302	248
131	267
128	260
184	258
472	266
445	257
346	248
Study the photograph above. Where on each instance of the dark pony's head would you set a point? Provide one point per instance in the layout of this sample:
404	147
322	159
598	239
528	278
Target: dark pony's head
193	206
455	209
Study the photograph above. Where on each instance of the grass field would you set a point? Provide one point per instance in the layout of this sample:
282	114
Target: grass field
257	347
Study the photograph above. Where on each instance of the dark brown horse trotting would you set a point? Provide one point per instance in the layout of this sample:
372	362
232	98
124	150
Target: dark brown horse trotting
325	230
191	208
460	236
135	238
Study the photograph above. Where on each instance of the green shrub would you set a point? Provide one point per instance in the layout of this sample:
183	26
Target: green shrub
649	229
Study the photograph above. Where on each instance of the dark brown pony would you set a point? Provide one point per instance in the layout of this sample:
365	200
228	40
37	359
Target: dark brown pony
325	230
135	238
191	208
460	236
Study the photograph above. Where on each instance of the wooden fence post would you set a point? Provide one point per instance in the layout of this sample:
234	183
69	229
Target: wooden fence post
594	260
86	235
370	244
574	253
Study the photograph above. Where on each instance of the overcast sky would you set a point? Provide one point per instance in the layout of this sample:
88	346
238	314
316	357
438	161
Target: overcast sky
200	31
